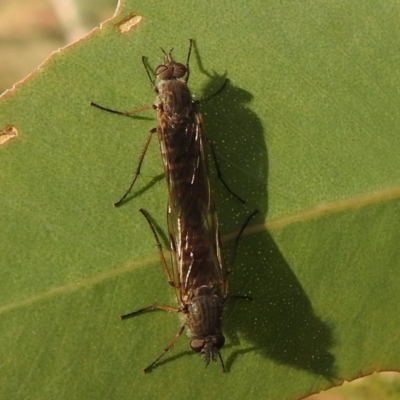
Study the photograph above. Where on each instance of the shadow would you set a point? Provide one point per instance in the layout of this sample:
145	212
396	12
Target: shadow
280	321
162	237
140	117
238	140
196	358
137	193
170	359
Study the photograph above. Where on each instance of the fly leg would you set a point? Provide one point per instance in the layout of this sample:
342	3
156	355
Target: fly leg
138	168
241	297
157	306
236	244
166	270
146	146
149	308
187	60
220	177
149	75
124	113
159	246
214	155
204	99
235	249
171	343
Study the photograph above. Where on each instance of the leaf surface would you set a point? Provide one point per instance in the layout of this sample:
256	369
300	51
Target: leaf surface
307	131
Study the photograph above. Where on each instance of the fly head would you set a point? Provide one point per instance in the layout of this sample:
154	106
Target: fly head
170	69
208	347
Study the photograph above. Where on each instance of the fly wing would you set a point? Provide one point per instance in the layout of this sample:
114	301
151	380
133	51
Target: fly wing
185	165
196	255
192	221
220	270
202	171
175	240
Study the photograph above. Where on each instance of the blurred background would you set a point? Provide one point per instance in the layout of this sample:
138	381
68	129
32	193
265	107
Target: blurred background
31	30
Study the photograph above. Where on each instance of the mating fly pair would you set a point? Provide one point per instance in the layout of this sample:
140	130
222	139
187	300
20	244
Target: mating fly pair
199	275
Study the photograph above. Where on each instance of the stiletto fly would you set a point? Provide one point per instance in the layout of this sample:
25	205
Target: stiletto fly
198	274
180	134
200	279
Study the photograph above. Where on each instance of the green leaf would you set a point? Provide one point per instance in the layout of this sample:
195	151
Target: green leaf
307	131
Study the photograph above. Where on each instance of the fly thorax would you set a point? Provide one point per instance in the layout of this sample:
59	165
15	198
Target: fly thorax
175	100
204	315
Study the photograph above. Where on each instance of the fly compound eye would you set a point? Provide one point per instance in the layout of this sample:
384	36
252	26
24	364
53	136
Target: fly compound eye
218	341
197	345
179	70
161	69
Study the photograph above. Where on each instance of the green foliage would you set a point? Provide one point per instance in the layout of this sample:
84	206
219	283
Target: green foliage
308	128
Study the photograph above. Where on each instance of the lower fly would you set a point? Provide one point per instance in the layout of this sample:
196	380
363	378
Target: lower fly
200	282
